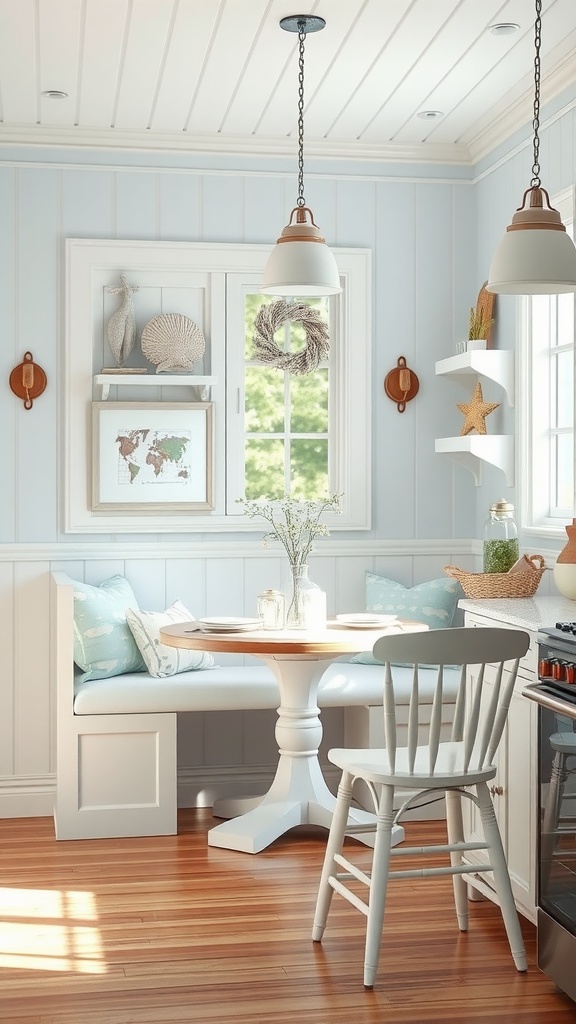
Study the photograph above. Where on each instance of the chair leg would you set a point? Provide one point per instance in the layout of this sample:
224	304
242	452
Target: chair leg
333	846
501	876
455	828
378	886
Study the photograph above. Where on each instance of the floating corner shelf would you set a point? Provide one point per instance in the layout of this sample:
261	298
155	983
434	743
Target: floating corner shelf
473	449
493	364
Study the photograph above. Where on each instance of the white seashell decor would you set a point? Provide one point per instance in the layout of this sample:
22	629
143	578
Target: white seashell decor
172	342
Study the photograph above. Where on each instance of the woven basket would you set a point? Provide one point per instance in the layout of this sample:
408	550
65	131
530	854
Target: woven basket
500	584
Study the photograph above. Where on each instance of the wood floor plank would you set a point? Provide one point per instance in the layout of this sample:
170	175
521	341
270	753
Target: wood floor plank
168	930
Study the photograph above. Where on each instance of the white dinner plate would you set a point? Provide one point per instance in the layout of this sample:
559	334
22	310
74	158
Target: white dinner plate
230	629
228	621
229	624
365	620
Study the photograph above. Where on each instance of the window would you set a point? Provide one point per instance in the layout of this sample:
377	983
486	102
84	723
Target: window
301	434
547	332
273	431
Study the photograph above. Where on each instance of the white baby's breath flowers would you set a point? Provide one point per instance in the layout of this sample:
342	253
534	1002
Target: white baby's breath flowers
295	522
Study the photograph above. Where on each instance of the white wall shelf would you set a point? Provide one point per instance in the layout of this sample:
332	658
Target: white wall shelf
473	449
493	364
158	380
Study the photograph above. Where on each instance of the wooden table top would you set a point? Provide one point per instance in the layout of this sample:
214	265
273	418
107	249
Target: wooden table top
333	640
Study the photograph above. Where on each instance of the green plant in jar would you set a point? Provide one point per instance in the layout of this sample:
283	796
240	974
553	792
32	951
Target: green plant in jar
500	547
500	555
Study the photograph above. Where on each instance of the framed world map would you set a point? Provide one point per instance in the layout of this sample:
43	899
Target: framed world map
151	457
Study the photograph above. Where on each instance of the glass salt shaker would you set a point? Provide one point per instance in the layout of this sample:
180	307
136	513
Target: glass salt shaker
270	607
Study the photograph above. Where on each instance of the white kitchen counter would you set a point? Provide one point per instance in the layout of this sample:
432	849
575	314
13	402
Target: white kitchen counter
529	613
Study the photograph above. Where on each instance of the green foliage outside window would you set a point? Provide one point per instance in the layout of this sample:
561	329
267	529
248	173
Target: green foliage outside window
279	410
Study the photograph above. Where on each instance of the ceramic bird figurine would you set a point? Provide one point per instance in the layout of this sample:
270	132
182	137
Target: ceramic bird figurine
121	330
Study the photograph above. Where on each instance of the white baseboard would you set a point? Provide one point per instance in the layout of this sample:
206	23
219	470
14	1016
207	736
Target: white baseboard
34	796
201	787
27	796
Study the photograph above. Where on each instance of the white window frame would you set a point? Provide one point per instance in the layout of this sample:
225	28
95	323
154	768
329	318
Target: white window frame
534	413
227	265
350	391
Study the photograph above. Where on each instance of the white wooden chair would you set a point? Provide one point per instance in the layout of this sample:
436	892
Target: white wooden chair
459	767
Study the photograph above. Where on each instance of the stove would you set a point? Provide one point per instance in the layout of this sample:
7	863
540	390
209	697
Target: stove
557	659
555	693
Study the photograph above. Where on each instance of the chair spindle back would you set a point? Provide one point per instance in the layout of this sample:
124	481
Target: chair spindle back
480	725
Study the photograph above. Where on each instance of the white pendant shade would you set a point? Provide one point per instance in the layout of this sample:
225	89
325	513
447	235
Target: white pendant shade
301	263
536	255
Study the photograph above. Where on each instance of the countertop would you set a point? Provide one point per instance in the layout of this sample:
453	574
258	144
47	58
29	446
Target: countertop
529	613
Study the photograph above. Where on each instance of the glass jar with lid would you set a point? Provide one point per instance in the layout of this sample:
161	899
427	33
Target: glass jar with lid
271	609
500	547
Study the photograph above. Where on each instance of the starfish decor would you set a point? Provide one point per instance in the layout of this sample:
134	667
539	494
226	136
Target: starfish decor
476	412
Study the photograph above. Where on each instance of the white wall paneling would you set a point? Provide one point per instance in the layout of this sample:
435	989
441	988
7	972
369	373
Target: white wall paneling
217	752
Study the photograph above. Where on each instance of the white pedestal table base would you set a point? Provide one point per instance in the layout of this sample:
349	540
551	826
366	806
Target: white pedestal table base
298	794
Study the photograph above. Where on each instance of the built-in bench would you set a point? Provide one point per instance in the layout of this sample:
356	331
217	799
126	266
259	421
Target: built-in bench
116	738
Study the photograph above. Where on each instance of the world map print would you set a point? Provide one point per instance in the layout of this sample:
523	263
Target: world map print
154	456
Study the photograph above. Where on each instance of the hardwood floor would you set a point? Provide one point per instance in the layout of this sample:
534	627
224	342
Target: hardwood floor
168	930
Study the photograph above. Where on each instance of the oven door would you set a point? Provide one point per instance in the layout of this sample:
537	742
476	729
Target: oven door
556	835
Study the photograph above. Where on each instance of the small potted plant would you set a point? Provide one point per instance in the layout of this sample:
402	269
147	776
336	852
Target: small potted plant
478	328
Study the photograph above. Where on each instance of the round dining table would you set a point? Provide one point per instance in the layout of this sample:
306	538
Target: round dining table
298	794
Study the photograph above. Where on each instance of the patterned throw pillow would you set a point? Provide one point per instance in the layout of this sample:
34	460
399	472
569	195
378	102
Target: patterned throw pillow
161	660
433	603
103	643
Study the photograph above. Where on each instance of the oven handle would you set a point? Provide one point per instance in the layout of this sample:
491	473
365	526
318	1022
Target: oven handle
549	701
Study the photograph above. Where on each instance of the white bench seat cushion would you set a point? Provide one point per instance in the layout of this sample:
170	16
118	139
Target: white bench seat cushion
244	688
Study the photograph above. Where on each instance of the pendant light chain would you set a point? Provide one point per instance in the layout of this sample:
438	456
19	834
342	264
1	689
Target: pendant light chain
301	263
301	38
536	121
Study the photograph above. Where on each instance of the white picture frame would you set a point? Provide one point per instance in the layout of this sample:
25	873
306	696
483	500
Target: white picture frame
152	457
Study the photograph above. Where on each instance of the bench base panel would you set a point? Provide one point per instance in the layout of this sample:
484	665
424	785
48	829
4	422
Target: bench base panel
117	777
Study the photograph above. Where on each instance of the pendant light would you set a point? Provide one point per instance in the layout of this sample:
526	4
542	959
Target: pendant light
301	263
536	255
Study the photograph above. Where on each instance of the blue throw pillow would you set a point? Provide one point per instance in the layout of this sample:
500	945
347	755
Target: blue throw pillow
433	603
103	643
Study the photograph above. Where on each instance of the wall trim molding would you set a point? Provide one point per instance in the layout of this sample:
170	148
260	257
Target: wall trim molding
27	796
200	787
229	548
33	796
63	137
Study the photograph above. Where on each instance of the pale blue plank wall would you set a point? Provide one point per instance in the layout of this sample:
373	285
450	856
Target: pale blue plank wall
424	280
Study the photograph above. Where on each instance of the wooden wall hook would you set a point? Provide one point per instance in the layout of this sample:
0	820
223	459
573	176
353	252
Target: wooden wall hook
401	384
27	380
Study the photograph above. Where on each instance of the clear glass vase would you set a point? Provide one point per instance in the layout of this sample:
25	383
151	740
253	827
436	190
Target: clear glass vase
308	606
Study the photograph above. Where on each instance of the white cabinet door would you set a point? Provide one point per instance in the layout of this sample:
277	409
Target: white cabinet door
513	789
520	796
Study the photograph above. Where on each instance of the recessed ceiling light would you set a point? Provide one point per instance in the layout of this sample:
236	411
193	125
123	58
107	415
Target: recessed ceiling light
504	28
54	94
430	115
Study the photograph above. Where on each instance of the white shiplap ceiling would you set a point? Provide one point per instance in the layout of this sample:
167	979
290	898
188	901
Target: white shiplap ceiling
221	76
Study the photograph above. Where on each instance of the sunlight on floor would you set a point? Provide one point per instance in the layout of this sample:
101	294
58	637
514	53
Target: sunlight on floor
50	930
